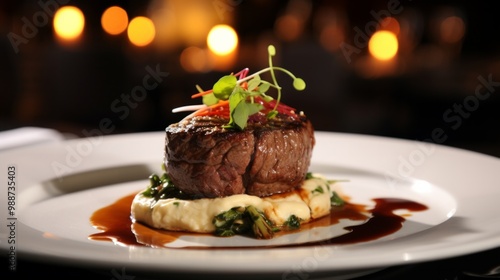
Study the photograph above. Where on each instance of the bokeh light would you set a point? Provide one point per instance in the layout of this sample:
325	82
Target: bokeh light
114	20
69	23
452	29
390	24
222	39
383	45
141	31
331	37
194	59
289	27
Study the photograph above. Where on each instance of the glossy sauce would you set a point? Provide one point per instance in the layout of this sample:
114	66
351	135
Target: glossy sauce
117	226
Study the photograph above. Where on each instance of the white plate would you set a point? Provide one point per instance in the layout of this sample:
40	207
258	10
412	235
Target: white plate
60	185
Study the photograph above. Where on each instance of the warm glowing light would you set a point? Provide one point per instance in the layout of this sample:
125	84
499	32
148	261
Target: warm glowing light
390	24
183	23
222	39
331	37
141	31
452	29
114	20
194	59
69	22
289	27
383	45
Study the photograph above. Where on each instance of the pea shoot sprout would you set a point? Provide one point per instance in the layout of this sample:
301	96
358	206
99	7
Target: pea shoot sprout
239	96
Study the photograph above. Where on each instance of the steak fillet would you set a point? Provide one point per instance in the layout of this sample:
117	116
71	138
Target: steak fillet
205	160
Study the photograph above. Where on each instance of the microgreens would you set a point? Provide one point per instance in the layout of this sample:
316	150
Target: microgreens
240	95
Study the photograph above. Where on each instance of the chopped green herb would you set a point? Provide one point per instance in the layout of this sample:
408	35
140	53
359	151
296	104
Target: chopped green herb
231	222
154	185
318	189
240	220
336	181
262	227
162	188
293	222
336	200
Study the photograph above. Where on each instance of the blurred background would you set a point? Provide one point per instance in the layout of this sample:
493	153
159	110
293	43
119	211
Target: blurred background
405	69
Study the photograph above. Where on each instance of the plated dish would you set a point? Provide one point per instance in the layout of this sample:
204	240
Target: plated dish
61	184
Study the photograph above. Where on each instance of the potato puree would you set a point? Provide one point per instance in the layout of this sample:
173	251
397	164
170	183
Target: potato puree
310	201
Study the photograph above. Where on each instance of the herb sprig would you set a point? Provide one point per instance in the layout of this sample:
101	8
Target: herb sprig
239	96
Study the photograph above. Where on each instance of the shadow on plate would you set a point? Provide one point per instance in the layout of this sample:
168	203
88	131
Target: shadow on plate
98	178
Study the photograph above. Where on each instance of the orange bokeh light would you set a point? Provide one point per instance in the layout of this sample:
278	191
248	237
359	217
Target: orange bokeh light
289	27
452	29
141	31
390	24
114	20
194	59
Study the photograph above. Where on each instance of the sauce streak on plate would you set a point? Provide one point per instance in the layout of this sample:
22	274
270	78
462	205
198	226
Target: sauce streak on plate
117	226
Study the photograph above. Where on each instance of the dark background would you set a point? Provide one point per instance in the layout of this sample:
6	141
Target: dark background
72	89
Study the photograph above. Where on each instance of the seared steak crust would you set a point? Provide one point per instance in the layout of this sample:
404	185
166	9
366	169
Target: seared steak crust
205	160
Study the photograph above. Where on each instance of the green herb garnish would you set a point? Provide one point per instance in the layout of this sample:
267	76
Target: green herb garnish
262	227
232	222
293	222
336	200
318	189
162	188
243	220
238	96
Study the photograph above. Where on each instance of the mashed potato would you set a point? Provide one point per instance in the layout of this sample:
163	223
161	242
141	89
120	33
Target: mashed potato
310	201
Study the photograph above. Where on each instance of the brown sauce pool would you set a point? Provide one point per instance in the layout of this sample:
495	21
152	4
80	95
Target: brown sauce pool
116	225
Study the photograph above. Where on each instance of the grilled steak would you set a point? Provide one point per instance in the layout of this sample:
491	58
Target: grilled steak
205	160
